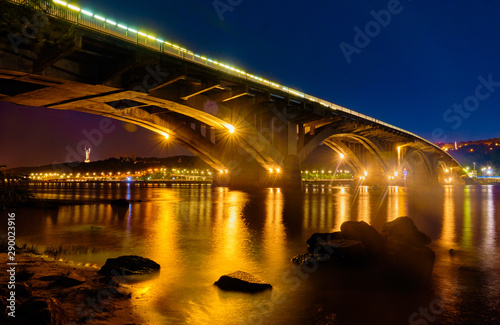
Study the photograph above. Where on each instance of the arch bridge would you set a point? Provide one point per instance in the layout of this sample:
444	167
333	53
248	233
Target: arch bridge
252	131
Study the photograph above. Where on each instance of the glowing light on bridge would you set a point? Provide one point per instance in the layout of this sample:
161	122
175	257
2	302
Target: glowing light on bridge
230	128
341	155
88	13
75	8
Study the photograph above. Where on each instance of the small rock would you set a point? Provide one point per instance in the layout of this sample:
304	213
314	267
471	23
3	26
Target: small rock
127	265
365	233
241	281
405	230
68	281
452	252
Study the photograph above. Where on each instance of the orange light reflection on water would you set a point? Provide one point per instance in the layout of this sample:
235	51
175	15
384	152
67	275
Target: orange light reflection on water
489	246
364	213
274	230
343	208
448	231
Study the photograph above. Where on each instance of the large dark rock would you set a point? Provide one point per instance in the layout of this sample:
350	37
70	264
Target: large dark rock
242	281
343	250
129	264
405	230
40	310
318	238
408	261
365	233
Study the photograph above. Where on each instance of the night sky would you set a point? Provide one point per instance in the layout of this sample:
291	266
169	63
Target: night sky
432	69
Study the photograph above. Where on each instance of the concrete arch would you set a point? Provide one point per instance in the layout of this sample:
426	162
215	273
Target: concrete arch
247	137
330	134
375	151
190	139
349	156
419	168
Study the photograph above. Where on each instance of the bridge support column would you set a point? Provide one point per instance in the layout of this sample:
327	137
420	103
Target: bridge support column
291	177
248	174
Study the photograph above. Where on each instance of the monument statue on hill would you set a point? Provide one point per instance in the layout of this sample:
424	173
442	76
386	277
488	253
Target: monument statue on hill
87	155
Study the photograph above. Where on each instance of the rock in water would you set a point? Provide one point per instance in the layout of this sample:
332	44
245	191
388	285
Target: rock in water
242	281
127	265
405	230
409	261
365	233
405	252
120	202
318	238
343	250
40	310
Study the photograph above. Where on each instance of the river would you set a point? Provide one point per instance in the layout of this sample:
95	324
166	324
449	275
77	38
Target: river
198	233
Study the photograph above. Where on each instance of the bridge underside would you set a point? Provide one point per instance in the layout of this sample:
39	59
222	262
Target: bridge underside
73	68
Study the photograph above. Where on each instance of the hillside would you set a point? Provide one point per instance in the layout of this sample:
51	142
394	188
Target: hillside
114	165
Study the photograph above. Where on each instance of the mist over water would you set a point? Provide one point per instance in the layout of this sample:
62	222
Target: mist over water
198	233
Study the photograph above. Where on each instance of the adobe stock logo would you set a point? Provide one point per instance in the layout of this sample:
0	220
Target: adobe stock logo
470	104
222	6
372	29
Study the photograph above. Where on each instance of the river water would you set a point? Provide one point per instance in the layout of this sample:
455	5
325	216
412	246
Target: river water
198	233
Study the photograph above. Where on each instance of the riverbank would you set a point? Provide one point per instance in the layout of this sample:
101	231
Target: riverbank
72	294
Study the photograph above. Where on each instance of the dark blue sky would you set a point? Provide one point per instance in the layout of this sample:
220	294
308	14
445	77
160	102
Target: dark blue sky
433	69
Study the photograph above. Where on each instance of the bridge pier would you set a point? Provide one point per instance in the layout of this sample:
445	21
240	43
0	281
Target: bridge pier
248	174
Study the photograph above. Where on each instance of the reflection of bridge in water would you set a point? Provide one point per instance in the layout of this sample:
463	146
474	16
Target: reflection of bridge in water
253	131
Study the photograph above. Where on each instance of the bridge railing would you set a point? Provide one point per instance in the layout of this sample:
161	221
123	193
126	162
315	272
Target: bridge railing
86	19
